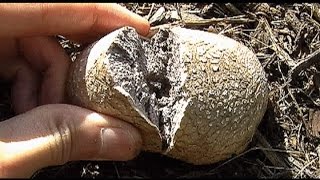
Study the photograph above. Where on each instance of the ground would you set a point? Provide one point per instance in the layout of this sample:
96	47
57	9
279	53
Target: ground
286	40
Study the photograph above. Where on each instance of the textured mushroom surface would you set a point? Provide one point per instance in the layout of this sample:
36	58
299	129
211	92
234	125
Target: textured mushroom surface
194	95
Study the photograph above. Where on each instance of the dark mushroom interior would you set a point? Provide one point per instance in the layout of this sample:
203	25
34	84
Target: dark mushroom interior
153	74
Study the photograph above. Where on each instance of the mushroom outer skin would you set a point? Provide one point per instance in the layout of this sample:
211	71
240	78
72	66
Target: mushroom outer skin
222	89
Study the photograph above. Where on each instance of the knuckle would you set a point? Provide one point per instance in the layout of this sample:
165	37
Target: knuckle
61	130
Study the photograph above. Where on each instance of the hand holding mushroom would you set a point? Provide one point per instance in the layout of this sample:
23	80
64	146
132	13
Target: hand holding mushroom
42	135
194	95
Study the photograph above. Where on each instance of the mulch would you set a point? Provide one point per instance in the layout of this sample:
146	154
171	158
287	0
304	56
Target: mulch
286	39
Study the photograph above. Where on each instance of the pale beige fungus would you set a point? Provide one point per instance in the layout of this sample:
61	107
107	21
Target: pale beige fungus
195	96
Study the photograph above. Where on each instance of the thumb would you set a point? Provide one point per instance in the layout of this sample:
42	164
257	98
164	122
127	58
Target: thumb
55	134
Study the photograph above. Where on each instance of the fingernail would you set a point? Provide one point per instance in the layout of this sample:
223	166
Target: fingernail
119	144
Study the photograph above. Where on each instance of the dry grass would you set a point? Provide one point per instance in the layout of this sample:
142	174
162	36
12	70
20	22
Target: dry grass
285	38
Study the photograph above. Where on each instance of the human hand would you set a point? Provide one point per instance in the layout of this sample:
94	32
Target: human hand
44	132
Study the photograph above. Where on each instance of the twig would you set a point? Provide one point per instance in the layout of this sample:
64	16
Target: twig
314	9
150	12
299	37
279	168
116	169
264	168
205	22
281	174
235	157
296	104
253	149
279	51
274	158
318	153
304	167
293	21
233	29
304	63
252	37
233	9
178	10
281	151
224	30
153	30
307	96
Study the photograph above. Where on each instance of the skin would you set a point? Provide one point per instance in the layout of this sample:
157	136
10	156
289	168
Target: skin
46	131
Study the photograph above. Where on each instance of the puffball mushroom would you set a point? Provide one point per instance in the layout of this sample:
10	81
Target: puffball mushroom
195	96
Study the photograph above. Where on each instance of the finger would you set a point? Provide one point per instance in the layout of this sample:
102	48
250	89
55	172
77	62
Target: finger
25	81
67	19
9	59
55	134
84	39
47	56
25	88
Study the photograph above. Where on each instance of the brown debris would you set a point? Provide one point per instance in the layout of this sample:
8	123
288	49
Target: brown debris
304	64
314	123
275	43
315	10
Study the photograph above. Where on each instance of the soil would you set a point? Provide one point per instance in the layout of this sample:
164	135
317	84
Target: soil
286	40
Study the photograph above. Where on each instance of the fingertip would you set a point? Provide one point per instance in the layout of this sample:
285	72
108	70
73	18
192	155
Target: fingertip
24	89
145	27
129	18
46	55
102	137
120	141
119	144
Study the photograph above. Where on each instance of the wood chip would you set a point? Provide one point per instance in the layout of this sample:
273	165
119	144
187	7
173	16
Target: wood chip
314	123
158	16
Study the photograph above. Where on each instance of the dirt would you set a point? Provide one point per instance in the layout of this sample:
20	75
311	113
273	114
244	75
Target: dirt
286	40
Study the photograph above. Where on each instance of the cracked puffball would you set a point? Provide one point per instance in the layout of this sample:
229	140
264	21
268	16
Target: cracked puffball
194	95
